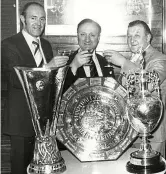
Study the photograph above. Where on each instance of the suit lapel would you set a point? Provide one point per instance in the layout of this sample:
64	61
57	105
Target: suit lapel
47	50
25	51
101	63
107	71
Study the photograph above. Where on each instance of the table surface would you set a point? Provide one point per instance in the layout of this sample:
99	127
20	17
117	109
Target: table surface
74	166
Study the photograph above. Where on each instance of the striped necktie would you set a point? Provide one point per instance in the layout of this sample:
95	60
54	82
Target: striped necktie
93	70
37	54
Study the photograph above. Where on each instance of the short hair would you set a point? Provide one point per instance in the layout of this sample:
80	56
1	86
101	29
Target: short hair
145	26
88	21
24	10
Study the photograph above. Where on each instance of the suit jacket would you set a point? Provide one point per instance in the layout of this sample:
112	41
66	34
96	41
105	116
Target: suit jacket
16	52
70	78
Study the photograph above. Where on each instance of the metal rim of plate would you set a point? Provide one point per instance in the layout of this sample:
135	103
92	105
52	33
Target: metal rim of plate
92	120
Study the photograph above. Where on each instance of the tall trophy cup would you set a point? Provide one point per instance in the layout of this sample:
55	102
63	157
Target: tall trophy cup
43	89
144	111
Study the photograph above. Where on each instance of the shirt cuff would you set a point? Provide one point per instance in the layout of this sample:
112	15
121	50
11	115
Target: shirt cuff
73	69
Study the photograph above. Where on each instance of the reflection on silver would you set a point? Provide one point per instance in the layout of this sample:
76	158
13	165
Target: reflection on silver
92	122
144	114
43	88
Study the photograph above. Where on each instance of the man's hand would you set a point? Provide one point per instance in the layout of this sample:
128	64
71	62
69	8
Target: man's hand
114	57
79	60
57	61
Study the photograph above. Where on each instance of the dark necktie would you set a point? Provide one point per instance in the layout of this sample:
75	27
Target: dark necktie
93	70
37	54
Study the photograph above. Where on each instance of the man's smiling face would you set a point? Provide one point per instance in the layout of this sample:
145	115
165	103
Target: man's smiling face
88	36
137	38
34	20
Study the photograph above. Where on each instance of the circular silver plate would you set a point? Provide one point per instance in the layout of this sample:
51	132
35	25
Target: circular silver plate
92	123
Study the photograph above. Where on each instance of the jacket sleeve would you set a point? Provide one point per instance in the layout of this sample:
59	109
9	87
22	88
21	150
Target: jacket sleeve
159	66
70	77
10	59
69	80
47	49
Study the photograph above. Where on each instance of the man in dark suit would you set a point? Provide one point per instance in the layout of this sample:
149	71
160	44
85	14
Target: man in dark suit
85	62
20	50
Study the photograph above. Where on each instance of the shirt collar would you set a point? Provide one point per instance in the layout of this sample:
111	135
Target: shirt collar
29	38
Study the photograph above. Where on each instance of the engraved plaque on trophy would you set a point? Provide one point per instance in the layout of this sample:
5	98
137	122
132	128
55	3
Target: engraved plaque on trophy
92	122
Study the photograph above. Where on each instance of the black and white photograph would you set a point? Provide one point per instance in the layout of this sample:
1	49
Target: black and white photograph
83	87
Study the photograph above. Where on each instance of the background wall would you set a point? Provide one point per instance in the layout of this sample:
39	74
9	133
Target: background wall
8	28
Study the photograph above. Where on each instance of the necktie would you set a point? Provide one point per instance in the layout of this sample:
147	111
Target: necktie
37	54
93	70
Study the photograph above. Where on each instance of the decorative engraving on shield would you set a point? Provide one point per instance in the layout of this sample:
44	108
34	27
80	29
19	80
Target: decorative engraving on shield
92	122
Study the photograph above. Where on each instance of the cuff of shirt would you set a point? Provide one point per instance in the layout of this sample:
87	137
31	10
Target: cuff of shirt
73	69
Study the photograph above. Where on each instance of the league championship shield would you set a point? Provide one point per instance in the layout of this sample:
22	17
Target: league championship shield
43	89
92	122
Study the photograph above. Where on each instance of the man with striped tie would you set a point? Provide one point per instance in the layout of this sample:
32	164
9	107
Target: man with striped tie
29	49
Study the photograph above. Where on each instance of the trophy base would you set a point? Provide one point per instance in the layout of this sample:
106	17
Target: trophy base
144	165
131	168
58	167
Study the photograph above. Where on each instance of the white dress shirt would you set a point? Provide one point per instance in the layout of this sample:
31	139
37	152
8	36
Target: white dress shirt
87	68
29	39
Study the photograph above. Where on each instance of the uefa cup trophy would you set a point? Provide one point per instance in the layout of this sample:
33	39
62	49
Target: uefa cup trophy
144	112
43	90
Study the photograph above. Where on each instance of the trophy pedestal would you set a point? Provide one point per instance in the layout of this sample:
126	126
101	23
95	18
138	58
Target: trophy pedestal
58	167
145	164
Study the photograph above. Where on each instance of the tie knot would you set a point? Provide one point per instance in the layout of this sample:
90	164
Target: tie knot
35	43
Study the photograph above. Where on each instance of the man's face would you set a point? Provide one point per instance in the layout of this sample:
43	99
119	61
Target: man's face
137	38
34	20
88	36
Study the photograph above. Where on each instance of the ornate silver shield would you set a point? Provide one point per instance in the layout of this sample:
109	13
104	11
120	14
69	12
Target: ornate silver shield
92	120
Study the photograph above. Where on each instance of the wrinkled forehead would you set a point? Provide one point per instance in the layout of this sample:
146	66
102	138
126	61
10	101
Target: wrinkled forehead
136	29
88	27
35	9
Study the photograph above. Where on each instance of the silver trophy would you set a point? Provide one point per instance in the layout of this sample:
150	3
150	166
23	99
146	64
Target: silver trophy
43	89
144	112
